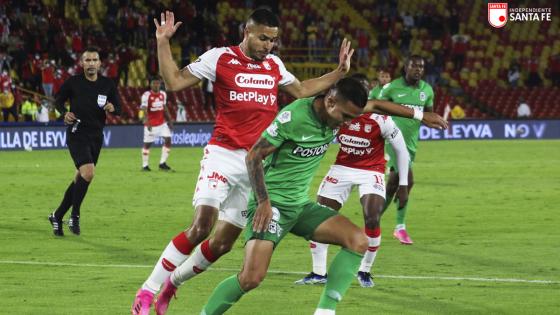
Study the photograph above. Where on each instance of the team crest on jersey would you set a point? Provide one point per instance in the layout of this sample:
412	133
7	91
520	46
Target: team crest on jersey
355	126
267	65
422	96
272	129
101	100
367	128
285	117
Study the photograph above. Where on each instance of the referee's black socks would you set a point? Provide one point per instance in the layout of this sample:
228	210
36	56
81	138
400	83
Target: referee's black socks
66	202
79	193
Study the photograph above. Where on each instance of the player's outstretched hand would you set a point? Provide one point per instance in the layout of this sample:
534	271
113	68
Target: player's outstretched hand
263	215
168	27
345	56
69	118
402	196
434	120
109	107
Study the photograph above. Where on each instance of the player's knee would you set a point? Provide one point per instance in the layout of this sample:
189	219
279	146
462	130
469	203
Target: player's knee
87	175
220	247
357	242
250	280
199	232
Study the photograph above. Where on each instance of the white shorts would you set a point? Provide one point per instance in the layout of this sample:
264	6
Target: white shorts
340	180
223	183
157	131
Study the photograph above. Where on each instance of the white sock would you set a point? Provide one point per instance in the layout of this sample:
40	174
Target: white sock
324	311
164	154
319	253
400	227
369	257
194	265
145	157
169	260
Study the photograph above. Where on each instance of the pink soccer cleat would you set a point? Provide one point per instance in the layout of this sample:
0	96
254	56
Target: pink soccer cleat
402	236
164	297
142	303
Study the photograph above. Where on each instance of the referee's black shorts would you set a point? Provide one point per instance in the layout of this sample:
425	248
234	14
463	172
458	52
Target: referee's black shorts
84	146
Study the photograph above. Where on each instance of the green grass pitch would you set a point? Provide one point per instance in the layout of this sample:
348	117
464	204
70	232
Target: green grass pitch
479	209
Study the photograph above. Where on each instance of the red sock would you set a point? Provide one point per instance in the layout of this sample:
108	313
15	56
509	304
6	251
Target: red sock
183	244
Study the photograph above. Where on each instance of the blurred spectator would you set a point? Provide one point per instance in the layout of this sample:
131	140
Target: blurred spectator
47	77
554	66
430	72
405	38
43	112
363	51
311	32
29	109
4	28
77	45
5	60
453	21
7	100
181	112
125	56
534	78
457	112
408	20
513	75
112	69
523	110
459	51
383	47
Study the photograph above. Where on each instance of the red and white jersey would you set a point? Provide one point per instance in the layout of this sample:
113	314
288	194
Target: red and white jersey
362	142
154	104
246	93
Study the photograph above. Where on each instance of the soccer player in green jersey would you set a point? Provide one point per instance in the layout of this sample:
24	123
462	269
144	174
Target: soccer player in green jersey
383	77
293	146
409	90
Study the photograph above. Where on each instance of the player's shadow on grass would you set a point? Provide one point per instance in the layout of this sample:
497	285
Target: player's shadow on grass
107	252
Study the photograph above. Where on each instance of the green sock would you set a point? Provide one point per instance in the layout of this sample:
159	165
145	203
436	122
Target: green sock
342	271
401	213
224	296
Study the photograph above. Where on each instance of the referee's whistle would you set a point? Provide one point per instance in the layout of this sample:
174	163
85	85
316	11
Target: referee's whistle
75	125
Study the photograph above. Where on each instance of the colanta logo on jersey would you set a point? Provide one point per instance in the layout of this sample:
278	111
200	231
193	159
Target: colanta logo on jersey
310	152
352	141
257	81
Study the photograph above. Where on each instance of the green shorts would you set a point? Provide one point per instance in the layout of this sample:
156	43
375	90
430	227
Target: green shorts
301	220
392	163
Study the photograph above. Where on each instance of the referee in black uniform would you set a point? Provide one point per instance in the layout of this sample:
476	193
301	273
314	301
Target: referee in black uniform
91	96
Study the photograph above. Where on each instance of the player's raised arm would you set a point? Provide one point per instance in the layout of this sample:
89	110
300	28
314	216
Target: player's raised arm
256	155
428	118
314	86
174	78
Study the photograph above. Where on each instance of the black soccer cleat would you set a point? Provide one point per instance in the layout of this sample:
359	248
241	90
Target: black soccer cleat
146	169
74	225
56	225
164	167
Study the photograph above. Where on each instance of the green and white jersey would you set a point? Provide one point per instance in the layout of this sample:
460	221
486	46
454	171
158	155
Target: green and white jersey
375	92
302	141
398	91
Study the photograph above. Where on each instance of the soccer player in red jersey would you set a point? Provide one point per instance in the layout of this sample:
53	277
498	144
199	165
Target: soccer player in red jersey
157	123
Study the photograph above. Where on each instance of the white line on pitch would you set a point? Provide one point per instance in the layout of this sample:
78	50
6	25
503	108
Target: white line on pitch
42	263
